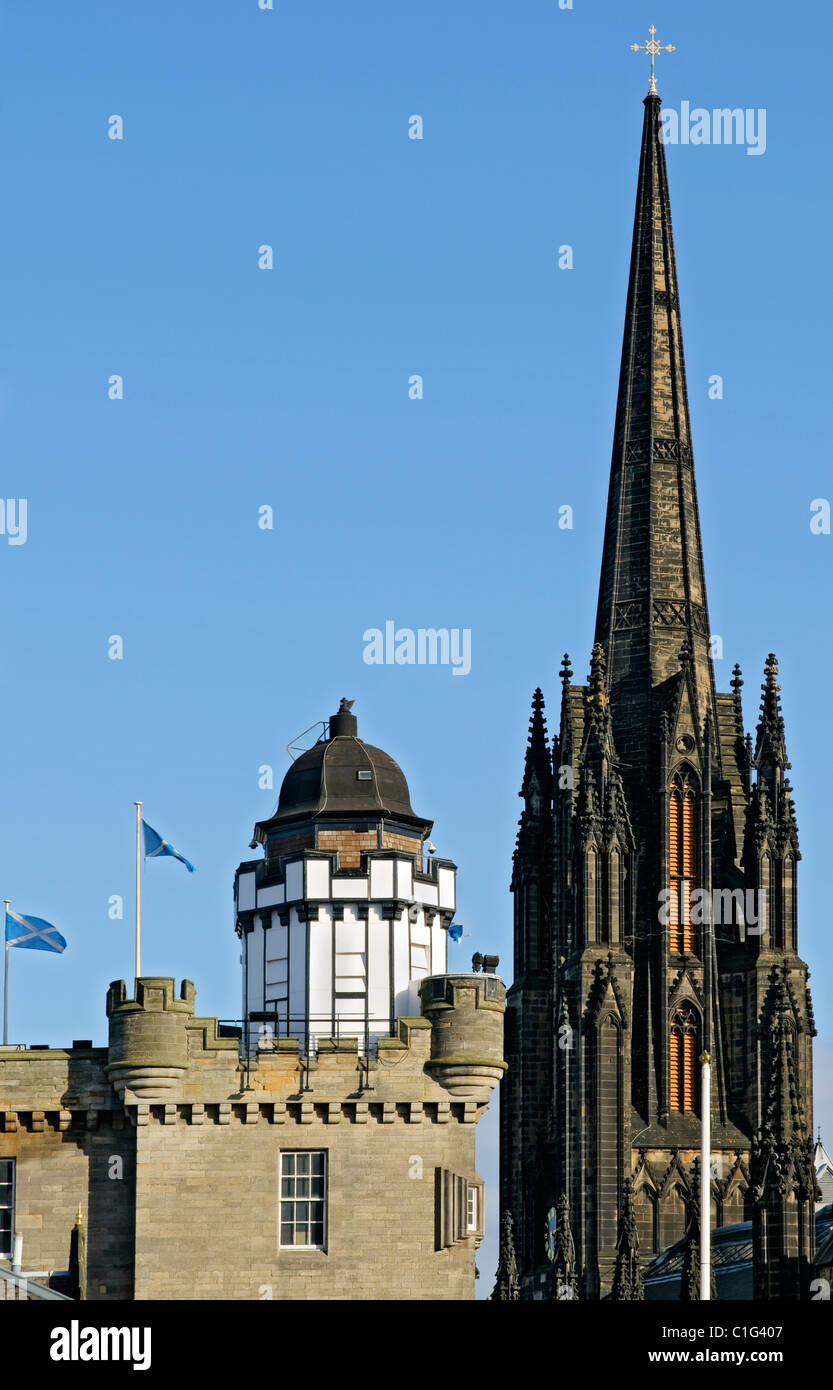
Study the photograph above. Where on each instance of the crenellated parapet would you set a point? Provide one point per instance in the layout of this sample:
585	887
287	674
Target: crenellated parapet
148	1052
162	1058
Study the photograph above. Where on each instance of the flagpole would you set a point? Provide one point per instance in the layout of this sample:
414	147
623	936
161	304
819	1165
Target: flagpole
7	903
138	806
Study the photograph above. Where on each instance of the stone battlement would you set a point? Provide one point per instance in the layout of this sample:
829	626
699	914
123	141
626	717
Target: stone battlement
160	1052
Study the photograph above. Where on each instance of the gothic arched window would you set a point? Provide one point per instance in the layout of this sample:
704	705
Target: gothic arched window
683	1060
682	858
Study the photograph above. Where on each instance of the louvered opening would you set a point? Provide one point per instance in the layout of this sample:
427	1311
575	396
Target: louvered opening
682	1054
688	1070
675	1055
682	855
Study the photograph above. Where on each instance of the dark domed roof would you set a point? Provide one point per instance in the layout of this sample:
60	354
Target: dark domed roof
326	781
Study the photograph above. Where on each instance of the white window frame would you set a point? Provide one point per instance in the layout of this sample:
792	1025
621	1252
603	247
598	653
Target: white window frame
472	1210
291	1201
7	1255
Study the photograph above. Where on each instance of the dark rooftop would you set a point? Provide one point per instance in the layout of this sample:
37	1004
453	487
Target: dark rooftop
731	1257
343	776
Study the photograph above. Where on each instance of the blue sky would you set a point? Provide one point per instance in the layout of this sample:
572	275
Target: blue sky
289	388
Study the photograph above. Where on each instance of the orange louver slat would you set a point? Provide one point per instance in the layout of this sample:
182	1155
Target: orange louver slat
674	908
674	847
688	835
688	930
674	833
674	1054
688	1070
688	866
682	1053
682	856
675	937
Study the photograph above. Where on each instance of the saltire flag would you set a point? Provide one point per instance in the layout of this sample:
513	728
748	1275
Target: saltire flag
32	933
455	931
155	847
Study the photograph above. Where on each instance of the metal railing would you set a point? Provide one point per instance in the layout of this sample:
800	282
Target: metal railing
23	1288
264	1028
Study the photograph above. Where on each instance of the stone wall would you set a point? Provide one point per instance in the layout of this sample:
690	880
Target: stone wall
207	1203
178	1181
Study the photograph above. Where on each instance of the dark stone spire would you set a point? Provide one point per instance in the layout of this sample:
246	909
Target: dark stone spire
655	791
784	1121
741	739
783	1176
652	595
536	788
563	745
627	1281
737	702
598	702
771	761
770	748
564	1281
537	761
507	1286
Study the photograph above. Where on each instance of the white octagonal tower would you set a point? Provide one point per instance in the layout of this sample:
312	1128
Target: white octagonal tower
340	922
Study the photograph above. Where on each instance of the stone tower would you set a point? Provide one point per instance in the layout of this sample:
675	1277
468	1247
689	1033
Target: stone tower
329	1134
654	880
339	922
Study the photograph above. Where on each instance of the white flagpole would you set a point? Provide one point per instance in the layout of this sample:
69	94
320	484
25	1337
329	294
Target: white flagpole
705	1179
138	806
7	905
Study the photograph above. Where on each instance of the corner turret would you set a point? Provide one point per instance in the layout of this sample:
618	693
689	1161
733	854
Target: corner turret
466	1016
148	1051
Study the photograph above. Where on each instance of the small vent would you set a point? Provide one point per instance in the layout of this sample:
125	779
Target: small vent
364	775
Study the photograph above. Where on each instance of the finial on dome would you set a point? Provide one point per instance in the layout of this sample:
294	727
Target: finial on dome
344	724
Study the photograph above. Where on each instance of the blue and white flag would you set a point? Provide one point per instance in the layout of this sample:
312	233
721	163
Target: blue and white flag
155	847
32	933
455	931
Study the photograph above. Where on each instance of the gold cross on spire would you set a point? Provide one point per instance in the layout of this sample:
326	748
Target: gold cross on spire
652	48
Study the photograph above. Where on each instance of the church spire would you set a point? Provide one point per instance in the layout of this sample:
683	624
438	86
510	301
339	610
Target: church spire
627	1281
652	595
784	1119
771	748
782	1174
564	1280
507	1286
537	771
